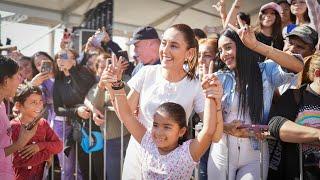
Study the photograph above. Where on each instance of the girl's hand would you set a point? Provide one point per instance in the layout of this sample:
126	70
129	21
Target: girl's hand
211	85
28	151
246	34
83	112
39	78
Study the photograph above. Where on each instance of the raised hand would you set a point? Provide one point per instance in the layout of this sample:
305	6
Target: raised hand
39	78
246	34
211	85
113	72
220	6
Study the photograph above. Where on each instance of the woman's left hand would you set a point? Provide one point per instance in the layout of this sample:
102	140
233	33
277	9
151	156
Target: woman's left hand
246	34
232	129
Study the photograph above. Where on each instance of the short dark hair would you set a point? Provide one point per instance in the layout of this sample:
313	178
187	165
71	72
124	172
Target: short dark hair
178	114
199	33
8	68
24	91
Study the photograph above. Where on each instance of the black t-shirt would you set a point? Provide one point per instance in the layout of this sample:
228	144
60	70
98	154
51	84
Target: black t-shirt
268	41
284	157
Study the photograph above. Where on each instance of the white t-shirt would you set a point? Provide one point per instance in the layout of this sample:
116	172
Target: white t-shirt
155	90
178	164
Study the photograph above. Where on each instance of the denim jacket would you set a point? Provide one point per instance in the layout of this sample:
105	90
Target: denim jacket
273	76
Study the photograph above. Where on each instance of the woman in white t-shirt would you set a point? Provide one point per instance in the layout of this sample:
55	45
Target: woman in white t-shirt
154	85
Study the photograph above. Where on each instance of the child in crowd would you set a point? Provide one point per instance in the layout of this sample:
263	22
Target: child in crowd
29	162
164	150
10	79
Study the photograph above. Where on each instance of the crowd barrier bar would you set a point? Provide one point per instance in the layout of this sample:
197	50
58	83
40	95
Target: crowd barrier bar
90	143
105	145
62	171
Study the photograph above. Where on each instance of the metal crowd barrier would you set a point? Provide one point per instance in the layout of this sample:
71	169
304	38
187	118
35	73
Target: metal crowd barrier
62	170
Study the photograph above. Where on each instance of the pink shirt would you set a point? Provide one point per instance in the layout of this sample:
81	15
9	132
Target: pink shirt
178	164
6	170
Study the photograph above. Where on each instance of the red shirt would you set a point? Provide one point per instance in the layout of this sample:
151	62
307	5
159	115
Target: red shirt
49	144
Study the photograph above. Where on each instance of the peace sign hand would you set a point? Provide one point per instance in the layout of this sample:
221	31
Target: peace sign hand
246	34
211	85
113	72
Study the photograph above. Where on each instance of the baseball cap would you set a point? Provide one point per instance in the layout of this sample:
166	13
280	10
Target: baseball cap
143	33
306	34
273	6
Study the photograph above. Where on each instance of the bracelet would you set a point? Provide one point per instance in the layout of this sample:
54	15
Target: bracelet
117	85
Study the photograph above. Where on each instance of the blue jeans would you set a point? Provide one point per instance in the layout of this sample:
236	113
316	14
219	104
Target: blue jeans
203	165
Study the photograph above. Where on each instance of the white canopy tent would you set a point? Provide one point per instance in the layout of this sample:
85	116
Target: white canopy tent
128	14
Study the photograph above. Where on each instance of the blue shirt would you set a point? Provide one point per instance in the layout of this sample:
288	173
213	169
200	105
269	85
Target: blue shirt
273	76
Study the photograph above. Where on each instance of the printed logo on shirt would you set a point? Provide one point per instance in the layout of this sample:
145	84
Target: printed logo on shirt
310	116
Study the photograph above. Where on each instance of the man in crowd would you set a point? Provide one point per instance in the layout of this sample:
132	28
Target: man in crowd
146	47
301	40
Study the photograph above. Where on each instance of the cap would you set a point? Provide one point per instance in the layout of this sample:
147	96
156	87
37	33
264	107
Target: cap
273	6
143	33
306	34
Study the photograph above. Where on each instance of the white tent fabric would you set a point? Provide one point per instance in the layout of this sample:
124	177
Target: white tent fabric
128	14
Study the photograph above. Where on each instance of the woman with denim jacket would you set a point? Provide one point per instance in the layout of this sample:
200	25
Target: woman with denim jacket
248	90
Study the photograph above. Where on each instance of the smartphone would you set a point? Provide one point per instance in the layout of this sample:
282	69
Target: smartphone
97	39
35	120
124	54
46	66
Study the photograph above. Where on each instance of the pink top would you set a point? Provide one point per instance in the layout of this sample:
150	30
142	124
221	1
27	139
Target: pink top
178	164
6	170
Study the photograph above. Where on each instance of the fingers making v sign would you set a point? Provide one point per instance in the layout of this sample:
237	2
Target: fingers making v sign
245	33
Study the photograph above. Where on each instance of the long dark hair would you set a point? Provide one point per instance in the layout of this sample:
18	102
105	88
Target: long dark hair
176	113
249	79
42	53
277	39
192	42
8	68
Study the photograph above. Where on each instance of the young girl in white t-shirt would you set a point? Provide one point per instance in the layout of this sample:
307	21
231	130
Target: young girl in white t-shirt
165	153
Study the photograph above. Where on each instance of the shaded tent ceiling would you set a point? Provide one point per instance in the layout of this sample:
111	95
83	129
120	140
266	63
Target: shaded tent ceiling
128	14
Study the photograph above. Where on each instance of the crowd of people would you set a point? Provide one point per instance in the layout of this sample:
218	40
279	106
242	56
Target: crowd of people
254	91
